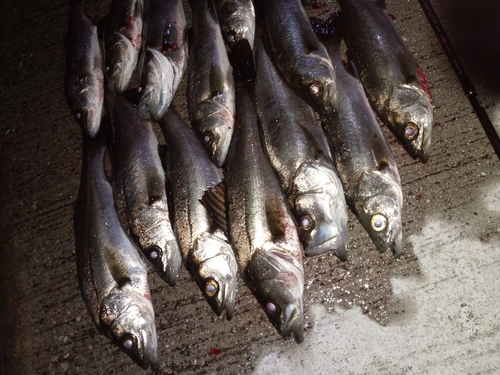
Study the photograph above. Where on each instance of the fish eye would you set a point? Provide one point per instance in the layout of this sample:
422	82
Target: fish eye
410	131
271	308
316	89
378	222
211	287
208	138
78	115
153	253
128	342
231	37
306	222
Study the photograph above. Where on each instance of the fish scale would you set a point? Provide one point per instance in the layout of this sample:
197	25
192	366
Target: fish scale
261	226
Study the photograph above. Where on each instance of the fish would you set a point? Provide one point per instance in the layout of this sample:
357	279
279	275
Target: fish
297	52
210	91
84	76
164	58
122	43
395	84
112	276
261	227
298	150
363	159
237	22
140	182
207	253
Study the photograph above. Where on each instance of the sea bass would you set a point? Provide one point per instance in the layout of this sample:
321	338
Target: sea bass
164	59
122	42
298	150
84	78
261	226
112	276
394	83
139	181
207	254
364	160
297	52
210	89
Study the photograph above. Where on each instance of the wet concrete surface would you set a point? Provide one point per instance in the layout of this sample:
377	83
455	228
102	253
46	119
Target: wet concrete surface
367	304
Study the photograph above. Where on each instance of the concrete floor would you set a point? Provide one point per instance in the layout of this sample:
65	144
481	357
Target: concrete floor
435	311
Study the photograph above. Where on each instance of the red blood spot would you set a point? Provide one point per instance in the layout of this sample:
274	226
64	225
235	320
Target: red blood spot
443	39
318	5
391	16
418	196
147	295
175	47
214	352
423	81
375	136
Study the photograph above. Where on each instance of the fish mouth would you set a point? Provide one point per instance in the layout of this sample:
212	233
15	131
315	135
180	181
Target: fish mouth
337	244
174	262
293	321
397	246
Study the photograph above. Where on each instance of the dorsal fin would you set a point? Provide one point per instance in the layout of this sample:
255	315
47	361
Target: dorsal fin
214	200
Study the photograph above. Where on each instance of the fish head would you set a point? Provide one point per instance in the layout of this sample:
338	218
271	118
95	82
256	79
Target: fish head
411	117
320	209
153	230
85	96
314	76
379	211
215	270
128	320
215	131
120	61
278	283
237	22
155	92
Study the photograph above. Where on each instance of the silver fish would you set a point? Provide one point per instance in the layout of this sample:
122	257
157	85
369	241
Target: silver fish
262	229
122	42
140	179
297	52
164	59
298	150
112	276
84	78
210	84
207	254
364	161
394	83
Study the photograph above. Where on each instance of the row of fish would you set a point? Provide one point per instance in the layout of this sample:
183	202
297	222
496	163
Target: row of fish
256	180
